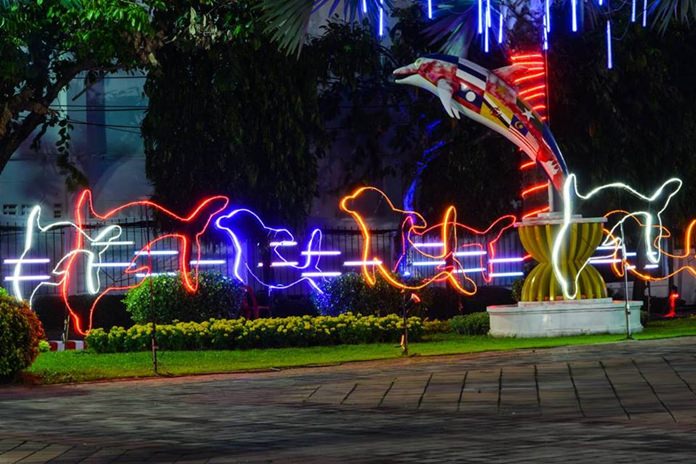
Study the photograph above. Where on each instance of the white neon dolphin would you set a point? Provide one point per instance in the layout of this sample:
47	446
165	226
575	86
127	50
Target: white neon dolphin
664	193
102	240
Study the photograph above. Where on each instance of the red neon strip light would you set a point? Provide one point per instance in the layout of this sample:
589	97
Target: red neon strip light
535	188
528	55
530	63
536	95
527	78
532	89
535	212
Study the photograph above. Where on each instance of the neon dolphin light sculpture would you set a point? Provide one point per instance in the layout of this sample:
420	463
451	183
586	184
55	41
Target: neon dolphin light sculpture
490	99
68	266
279	240
661	198
103	240
485	251
412	225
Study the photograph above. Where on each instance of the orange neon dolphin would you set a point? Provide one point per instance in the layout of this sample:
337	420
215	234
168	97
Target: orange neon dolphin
413	224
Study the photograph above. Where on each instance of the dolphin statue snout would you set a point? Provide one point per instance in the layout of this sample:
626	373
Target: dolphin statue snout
403	72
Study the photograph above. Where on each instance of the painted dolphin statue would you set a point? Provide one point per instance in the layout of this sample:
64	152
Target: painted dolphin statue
488	98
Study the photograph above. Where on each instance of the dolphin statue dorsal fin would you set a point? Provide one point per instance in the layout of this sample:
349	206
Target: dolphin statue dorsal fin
511	73
445	92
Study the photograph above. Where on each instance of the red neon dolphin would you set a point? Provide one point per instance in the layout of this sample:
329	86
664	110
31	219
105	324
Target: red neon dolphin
490	99
201	216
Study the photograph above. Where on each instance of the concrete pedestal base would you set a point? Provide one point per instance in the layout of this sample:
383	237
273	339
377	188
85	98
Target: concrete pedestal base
554	318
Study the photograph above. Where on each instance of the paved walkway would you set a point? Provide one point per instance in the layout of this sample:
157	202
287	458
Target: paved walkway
629	402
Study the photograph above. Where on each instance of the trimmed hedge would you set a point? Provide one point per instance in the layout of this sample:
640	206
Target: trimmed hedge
471	324
20	334
436	326
225	334
350	291
164	299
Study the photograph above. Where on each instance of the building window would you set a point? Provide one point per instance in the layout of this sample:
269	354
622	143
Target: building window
57	210
25	210
9	209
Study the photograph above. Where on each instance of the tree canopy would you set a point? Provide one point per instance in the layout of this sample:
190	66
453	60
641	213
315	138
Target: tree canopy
46	44
234	116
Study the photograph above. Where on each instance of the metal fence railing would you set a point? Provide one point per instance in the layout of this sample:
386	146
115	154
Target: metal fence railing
46	250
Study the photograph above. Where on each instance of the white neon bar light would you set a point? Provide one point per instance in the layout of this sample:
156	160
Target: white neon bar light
26	278
321	253
284	263
208	262
429	263
652	266
429	245
26	261
507	274
113	264
506	260
469	271
374	262
113	243
283	243
321	274
142	275
471	253
604	261
157	252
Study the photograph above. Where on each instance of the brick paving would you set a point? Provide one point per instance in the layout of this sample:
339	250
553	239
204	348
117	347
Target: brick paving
627	402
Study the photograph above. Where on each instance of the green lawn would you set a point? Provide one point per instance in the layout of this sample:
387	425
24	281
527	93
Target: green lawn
84	366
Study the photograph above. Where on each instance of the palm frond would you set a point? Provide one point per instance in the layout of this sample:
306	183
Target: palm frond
454	27
288	19
666	11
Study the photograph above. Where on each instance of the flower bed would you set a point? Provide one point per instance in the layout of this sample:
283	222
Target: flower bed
261	333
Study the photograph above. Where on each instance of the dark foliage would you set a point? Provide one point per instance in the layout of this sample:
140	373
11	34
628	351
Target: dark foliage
350	293
232	116
471	324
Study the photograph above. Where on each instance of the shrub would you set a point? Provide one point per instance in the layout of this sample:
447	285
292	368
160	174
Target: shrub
165	300
471	324
44	346
436	326
517	289
350	292
440	302
20	334
225	334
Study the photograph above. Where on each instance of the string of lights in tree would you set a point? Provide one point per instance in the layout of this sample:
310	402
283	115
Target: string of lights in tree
492	16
